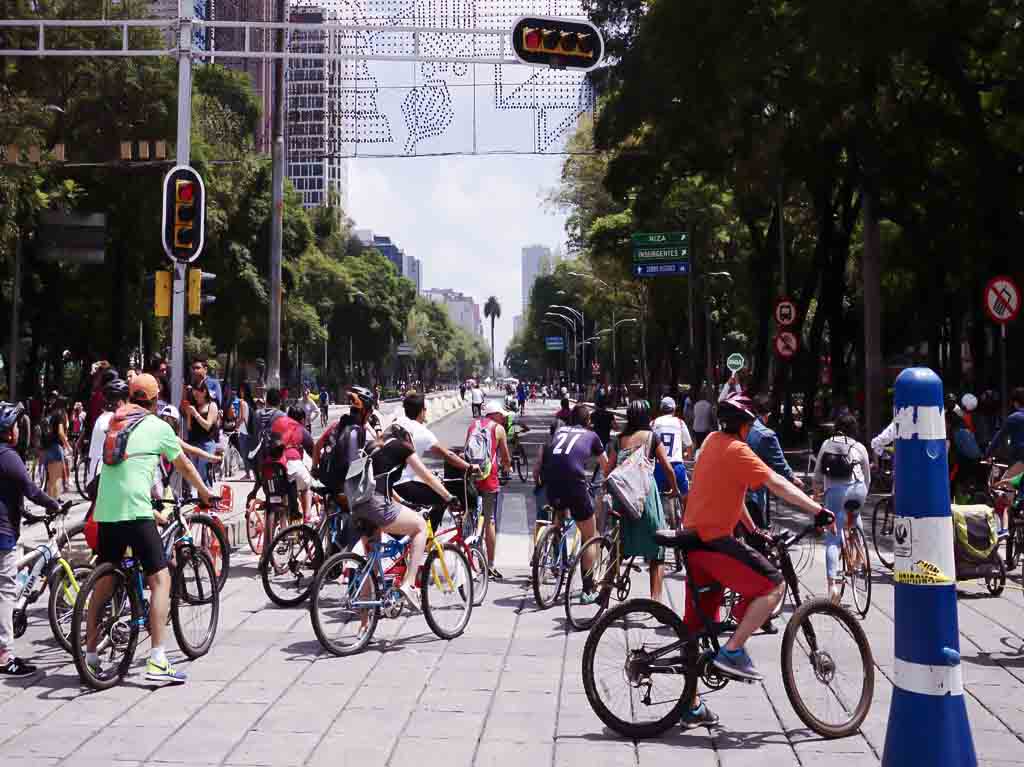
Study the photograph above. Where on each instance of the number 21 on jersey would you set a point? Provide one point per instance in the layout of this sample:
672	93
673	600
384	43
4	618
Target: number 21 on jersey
561	447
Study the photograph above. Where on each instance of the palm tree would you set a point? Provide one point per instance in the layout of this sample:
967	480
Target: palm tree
492	309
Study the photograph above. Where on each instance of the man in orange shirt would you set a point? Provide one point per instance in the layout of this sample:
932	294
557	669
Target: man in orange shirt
726	468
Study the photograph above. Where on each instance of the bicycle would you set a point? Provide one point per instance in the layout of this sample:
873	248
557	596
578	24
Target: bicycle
265	518
654	662
351	589
520	463
289	565
553	556
855	561
52	570
125	611
883	524
80	468
472	545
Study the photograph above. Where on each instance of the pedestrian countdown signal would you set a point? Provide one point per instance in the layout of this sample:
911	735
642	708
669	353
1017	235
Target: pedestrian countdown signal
184	214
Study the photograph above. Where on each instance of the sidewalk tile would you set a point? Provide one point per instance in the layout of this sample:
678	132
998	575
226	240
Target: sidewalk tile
444	725
432	752
274	748
497	754
520	727
342	752
123	742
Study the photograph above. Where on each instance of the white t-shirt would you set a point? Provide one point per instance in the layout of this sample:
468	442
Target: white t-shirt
702	416
674	436
99	434
477	396
422	439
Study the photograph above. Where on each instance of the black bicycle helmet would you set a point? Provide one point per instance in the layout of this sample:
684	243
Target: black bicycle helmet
10	412
366	396
116	389
734	411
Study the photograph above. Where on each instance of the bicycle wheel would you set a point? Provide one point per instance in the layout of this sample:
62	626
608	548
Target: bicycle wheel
522	466
61	606
81	472
118	622
195	601
859	571
588	589
996	582
548	567
882	522
636	695
481	572
208	534
290	564
341	625
1014	546
255	527
827	668
444	582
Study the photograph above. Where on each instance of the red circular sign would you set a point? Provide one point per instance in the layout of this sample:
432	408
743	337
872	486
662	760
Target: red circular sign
786	344
785	312
1002	300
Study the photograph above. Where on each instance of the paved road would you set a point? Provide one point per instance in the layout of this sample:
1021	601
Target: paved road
508	692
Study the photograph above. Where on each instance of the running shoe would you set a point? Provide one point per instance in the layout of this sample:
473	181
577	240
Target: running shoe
495	574
164	672
589	597
411	597
17	667
736	664
702	716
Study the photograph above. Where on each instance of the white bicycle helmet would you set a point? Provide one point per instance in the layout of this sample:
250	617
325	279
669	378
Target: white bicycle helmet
969	401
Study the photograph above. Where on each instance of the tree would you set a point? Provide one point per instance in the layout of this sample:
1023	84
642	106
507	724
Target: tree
492	309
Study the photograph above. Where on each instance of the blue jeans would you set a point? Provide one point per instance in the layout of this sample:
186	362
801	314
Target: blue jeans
202	465
835	501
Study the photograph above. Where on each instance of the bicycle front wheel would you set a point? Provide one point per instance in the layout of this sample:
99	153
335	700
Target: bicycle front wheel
588	589
522	467
859	570
195	601
827	668
446	589
548	567
118	621
882	523
208	534
344	605
481	572
81	471
64	590
290	564
634	689
255	527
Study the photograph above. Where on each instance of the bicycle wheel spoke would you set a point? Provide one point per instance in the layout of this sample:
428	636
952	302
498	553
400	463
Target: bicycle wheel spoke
196	601
829	675
341	625
447	592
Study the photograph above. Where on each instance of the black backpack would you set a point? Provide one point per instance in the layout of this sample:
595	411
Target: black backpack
837	465
347	438
269	446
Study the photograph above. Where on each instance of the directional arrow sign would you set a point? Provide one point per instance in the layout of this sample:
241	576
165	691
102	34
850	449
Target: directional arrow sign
659	238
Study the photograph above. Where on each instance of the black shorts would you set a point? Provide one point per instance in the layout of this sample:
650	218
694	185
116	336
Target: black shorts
421	494
573	498
143	537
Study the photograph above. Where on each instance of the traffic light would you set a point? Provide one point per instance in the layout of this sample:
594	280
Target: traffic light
162	294
557	43
196	299
184	217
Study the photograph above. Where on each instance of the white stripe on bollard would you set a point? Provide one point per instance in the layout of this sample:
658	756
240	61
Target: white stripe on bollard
928	680
930	423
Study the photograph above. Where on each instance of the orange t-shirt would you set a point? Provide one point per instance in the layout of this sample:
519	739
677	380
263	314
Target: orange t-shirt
726	468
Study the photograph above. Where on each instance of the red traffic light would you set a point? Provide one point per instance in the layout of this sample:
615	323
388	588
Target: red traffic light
533	38
559	43
185	191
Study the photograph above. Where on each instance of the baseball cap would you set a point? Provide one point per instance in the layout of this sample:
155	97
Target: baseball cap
143	388
668	405
493	408
170	411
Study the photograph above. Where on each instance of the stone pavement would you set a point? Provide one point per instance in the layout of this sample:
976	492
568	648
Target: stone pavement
508	692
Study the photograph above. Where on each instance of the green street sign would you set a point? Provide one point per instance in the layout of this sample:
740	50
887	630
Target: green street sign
662	253
735	362
659	238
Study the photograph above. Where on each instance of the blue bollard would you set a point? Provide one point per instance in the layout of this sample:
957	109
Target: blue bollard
927	717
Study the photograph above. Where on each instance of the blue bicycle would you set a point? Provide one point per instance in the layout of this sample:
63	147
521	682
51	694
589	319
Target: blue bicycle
553	556
350	592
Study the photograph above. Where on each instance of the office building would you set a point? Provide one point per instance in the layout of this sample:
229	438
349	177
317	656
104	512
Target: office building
517	324
411	269
462	309
536	262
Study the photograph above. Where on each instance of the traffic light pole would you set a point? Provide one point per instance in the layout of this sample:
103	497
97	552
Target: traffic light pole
276	214
183	148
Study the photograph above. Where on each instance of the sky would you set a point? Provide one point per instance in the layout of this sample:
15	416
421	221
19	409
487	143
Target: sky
466	218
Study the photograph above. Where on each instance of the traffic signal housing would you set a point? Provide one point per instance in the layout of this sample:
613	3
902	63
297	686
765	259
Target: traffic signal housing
196	299
184	215
557	43
162	294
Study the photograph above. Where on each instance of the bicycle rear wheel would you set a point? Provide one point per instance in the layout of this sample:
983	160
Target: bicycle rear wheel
81	471
548	567
208	534
341	626
827	668
522	466
481	572
118	622
882	523
588	589
290	564
859	570
446	589
195	601
255	527
61	606
636	695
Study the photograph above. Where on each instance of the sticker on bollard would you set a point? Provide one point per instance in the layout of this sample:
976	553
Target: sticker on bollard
928	722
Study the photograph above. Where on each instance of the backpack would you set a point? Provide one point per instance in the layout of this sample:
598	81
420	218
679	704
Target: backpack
479	448
347	438
630	481
966	445
269	443
115	443
837	465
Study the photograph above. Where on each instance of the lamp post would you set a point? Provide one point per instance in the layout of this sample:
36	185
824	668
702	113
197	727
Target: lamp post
615	361
578	313
562	331
571	322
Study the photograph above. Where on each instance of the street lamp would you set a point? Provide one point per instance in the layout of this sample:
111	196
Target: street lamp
578	313
571	322
612	329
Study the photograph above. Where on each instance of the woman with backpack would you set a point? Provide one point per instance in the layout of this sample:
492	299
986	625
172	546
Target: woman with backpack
843	472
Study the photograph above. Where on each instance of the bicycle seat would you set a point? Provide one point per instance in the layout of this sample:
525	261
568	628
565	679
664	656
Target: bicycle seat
682	540
853	505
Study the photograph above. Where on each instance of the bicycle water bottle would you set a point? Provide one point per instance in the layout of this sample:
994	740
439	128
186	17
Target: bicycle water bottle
21	580
44	558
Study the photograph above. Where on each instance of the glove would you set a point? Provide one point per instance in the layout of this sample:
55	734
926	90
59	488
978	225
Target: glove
824	518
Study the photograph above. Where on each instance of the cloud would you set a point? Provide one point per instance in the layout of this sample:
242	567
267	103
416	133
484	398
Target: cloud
466	218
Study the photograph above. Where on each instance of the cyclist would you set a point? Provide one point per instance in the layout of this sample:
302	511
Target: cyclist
521	397
562	472
515	428
15	486
282	440
1012	431
726	469
325	404
672	433
116	394
476	399
125	517
409	486
488	485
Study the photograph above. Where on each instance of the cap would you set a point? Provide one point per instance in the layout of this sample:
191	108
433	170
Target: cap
144	388
170	411
668	405
494	408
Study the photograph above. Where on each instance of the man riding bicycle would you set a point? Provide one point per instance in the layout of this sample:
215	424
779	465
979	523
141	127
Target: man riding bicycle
725	470
125	516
